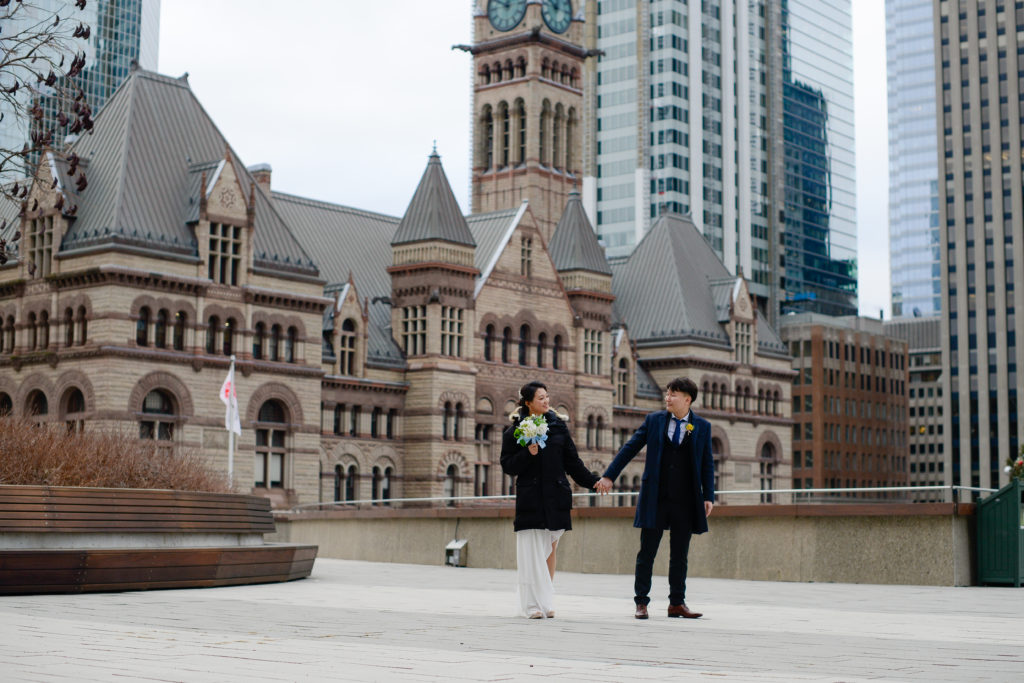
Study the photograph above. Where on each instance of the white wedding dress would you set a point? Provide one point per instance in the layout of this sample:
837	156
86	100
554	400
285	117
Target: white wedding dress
536	590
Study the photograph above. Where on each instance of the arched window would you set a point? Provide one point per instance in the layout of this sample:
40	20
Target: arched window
271	431
69	327
496	72
290	344
353	420
259	337
180	319
73	409
36	404
451	488
570	134
556	349
339	418
521	67
505	141
524	344
275	342
590	431
489	343
32	332
767	465
746	399
622	382
598	429
542	132
142	327
375	485
389	431
542	341
521	128
339	478
83	335
760	401
212	327
775	403
556	137
229	336
6	405
347	348
488	138
375	416
385	484
158	419
506	342
545	68
446	429
509	70
485	75
160	330
9	335
44	330
457	422
716	456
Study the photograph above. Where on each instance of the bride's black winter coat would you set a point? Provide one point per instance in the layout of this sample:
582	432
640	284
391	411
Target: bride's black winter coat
543	494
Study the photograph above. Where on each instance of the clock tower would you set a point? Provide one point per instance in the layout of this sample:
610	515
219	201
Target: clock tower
527	105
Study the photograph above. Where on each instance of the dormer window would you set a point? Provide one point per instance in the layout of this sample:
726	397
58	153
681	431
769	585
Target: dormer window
40	245
741	342
225	253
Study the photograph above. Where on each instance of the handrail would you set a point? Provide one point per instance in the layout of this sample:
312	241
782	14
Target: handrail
452	499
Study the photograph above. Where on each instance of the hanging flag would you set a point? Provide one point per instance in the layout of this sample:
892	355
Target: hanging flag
229	396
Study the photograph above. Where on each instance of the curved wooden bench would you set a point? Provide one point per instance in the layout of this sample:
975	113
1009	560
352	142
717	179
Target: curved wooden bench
61	540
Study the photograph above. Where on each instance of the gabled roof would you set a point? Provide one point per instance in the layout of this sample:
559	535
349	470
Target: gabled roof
433	213
350	241
151	141
663	289
574	245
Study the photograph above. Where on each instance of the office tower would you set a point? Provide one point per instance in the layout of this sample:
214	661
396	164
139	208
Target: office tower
121	32
742	117
913	151
925	403
978	56
849	404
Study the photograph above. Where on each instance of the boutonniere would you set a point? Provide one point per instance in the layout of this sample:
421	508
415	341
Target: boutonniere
689	427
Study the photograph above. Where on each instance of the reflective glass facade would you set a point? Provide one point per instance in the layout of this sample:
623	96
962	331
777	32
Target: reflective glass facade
820	231
913	153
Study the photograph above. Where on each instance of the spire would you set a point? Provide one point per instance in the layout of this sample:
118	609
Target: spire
574	245
433	213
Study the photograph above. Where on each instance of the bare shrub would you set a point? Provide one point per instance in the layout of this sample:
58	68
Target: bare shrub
50	455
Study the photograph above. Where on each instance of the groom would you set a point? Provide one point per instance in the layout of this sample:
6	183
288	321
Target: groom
677	493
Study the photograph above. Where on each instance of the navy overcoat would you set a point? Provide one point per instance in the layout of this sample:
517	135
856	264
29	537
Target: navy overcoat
652	435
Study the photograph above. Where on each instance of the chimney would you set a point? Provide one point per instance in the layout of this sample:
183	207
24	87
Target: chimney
261	174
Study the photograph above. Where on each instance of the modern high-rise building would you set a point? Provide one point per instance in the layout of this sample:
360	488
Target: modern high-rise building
979	47
913	152
741	116
121	32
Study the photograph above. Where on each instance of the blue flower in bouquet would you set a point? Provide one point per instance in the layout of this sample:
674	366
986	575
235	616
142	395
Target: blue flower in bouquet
532	429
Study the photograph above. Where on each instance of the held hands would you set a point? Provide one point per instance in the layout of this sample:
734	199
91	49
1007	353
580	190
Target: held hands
603	486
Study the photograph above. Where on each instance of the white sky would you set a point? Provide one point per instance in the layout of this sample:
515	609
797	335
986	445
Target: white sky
344	98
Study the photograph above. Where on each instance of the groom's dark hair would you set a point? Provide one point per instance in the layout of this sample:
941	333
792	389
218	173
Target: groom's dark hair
685	385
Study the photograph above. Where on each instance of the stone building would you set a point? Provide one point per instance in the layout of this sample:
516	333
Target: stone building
378	357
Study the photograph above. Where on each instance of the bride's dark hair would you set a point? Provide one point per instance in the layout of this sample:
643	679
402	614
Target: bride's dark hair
526	393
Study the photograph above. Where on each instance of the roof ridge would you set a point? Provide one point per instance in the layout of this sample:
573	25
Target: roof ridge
322	203
122	170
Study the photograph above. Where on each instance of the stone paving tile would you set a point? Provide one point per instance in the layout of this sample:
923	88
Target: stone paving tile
378	622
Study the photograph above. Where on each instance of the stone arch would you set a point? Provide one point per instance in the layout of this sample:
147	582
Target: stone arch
36	380
277	391
78	380
144	300
723	438
452	458
453	397
769	437
162	380
485	406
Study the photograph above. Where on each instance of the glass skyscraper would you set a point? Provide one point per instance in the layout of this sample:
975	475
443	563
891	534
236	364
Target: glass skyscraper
122	32
740	115
913	154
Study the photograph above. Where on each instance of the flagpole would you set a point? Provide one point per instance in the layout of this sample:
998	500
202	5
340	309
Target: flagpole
231	434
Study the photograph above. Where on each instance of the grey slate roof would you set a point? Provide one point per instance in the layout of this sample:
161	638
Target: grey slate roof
574	245
491	232
433	213
663	290
349	241
149	140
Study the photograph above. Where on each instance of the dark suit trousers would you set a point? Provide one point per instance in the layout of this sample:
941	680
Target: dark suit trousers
680	527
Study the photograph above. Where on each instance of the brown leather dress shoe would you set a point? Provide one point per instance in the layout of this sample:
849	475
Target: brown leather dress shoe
683	611
641	612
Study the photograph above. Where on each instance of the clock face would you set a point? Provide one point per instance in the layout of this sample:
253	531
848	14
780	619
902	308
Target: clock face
557	14
505	15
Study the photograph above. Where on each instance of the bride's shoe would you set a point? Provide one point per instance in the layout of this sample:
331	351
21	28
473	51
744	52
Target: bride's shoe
551	614
536	615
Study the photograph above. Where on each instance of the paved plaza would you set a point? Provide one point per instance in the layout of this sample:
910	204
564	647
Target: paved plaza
359	621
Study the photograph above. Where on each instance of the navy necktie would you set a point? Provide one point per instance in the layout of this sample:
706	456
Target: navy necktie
677	438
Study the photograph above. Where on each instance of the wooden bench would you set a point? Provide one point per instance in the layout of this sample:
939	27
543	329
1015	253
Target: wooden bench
61	540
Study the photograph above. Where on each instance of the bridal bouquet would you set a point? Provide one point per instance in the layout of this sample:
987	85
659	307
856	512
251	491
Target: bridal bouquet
532	429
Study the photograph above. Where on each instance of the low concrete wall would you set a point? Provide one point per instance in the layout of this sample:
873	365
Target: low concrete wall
927	544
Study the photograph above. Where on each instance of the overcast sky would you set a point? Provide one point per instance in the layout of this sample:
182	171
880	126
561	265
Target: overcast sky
345	100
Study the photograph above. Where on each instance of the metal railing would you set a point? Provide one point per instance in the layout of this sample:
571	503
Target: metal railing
800	496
